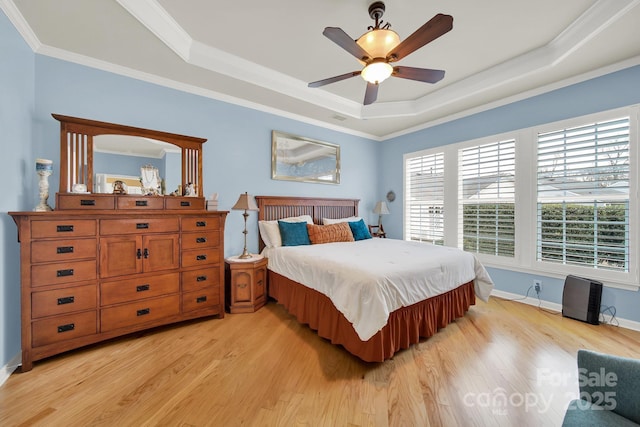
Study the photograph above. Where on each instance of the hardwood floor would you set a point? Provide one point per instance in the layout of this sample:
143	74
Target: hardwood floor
504	364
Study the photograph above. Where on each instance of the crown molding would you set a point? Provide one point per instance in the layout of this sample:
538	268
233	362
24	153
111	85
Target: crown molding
9	8
109	67
598	17
161	24
612	68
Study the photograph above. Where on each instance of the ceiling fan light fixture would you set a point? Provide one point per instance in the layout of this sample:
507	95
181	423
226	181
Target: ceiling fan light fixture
379	42
377	72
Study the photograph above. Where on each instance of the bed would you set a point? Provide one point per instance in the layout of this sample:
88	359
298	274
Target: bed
367	328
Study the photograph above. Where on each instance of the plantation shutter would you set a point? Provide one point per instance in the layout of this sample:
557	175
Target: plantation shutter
583	195
425	198
487	198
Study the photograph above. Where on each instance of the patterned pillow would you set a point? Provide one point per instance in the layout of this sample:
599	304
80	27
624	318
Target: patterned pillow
340	232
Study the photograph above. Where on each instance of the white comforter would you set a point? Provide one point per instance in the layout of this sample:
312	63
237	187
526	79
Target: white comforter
368	279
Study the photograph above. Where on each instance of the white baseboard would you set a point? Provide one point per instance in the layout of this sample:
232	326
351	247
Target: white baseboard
625	323
8	369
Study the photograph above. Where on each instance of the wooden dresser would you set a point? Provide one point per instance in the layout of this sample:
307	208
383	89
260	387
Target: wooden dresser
90	276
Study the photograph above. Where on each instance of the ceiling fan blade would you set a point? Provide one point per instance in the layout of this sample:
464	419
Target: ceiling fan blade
420	74
342	39
434	28
371	94
334	79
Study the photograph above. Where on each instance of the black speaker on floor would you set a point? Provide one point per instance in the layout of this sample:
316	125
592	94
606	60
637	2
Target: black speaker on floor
581	299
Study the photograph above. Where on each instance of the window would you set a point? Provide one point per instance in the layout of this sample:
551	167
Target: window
555	199
583	195
486	195
424	206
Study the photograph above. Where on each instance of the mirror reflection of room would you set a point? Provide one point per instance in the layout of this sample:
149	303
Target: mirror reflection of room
146	166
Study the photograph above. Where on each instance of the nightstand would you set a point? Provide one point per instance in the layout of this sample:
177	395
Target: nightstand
377	231
246	284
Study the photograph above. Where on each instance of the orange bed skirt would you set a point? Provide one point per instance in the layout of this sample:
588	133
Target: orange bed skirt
406	326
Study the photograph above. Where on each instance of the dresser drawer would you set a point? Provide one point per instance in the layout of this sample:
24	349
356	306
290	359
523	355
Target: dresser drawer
184	203
202	278
140	203
62	272
204	257
139	312
137	226
63	228
62	250
62	328
200	240
201	299
85	201
200	223
63	301
135	289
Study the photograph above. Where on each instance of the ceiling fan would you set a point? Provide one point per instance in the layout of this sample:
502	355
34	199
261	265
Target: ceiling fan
379	47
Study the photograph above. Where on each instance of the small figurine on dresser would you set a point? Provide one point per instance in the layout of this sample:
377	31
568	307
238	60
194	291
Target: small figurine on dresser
190	190
119	187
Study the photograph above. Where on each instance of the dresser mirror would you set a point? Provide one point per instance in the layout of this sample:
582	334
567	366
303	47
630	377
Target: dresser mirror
130	159
93	152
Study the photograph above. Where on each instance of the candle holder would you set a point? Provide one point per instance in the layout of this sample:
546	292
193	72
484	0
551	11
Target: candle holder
44	168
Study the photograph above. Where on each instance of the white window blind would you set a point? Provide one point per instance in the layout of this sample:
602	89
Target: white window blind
583	195
487	198
424	186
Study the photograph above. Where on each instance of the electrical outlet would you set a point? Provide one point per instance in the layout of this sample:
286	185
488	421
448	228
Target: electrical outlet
537	285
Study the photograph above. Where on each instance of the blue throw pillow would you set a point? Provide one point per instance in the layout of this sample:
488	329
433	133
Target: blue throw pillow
294	233
359	230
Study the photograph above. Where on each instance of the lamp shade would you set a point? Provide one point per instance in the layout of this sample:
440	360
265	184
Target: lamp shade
245	202
381	208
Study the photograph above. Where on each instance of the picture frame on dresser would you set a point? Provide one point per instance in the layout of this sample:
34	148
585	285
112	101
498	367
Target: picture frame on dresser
106	265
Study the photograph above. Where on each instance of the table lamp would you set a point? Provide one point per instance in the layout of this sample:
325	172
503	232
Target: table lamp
381	209
246	203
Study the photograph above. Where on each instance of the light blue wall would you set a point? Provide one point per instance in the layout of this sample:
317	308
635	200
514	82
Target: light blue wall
614	90
17	174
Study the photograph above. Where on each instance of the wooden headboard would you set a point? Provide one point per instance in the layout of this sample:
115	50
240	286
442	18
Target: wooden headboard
276	207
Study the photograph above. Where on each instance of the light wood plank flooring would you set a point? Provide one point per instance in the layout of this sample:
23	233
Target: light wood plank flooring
265	369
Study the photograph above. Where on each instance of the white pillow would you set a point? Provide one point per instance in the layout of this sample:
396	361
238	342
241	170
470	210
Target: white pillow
270	232
329	221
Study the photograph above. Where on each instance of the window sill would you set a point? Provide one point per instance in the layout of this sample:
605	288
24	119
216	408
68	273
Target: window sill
549	271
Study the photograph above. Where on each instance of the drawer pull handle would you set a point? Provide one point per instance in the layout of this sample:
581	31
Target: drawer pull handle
64	249
201	257
66	300
185	203
87	202
201	278
259	283
142	288
66	328
141	202
146	253
64	228
201	223
142	225
63	273
201	240
143	312
139	254
242	285
201	299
